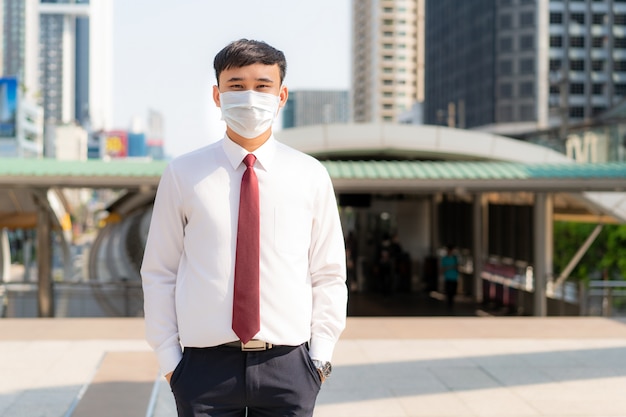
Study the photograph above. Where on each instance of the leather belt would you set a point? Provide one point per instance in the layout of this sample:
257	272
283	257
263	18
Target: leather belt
252	346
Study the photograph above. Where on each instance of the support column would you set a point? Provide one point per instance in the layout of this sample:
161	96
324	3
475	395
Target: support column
45	298
434	224
543	251
480	223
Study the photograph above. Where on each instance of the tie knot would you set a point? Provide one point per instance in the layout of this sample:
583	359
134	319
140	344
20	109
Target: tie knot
249	160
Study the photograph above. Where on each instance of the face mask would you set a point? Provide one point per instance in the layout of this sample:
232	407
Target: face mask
249	113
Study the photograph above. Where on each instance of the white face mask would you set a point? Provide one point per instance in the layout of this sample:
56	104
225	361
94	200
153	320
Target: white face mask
249	113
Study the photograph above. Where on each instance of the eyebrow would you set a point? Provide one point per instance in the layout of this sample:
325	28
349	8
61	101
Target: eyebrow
265	80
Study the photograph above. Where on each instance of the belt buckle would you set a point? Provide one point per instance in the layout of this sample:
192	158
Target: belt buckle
255	345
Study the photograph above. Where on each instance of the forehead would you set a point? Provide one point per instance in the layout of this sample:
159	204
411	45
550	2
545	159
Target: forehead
252	72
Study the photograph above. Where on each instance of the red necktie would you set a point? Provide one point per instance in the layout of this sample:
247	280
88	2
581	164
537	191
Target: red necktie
246	317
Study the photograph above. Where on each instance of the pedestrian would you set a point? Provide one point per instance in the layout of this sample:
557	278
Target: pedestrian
450	269
244	268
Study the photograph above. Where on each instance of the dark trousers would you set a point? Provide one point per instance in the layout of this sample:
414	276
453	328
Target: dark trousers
451	287
224	381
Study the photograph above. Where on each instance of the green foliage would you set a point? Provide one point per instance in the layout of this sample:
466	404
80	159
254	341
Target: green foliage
605	258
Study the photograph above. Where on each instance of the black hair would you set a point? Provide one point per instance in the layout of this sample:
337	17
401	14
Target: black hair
244	52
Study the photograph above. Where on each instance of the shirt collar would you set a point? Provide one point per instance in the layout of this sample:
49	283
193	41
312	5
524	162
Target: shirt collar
264	154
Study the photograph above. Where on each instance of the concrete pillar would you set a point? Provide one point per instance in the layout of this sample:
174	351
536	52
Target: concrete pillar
434	223
543	250
45	298
5	256
480	224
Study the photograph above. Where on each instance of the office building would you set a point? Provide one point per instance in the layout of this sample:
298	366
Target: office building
76	61
62	52
517	66
311	107
387	58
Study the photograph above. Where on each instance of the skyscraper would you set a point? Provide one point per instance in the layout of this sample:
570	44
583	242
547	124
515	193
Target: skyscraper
75	61
61	50
515	66
310	107
387	58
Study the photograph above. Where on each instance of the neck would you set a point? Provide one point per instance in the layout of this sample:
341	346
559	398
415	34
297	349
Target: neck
249	144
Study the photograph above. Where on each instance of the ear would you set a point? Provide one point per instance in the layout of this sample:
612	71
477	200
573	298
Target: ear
216	96
284	94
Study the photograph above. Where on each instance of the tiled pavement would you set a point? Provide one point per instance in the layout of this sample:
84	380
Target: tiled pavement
384	367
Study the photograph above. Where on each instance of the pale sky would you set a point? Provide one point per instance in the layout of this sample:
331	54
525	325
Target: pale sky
164	50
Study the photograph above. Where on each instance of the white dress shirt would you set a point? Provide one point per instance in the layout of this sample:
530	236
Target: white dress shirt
189	260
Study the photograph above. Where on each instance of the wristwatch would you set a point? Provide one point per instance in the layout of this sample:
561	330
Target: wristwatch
324	368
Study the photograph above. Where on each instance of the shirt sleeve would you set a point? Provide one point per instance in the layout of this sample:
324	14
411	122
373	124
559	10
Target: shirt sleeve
159	269
327	265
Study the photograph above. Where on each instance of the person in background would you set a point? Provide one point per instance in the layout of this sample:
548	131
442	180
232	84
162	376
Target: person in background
450	270
244	268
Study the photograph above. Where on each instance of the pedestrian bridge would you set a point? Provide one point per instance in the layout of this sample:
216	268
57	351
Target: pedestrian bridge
406	168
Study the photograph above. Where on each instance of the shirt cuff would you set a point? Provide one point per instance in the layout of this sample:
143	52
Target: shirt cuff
169	359
321	349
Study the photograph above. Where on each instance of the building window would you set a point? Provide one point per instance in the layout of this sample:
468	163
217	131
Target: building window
619	66
556	41
597	110
387	70
577	65
556	18
597	65
555	64
527	66
387	106
506	21
597	89
619	19
597	42
620	43
527	113
506	67
506	90
506	113
578	18
620	89
527	19
554	89
526	89
527	42
577	41
577	112
598	18
506	44
388	34
577	89
387	82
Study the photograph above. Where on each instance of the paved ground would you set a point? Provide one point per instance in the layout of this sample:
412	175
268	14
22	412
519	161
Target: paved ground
384	367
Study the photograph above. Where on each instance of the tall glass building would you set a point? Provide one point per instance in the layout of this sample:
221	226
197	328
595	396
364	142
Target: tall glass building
516	66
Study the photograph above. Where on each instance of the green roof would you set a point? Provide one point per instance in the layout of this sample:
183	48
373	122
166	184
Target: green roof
470	170
92	167
409	175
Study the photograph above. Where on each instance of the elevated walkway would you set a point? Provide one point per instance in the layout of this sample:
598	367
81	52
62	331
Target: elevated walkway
384	367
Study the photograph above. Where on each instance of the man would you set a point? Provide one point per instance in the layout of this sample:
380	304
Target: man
268	354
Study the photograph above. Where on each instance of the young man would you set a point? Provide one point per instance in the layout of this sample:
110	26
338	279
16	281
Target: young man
246	218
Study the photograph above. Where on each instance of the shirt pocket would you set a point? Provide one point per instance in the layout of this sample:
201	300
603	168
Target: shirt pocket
292	233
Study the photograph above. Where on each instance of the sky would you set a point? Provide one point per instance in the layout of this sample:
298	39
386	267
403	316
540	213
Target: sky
164	50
